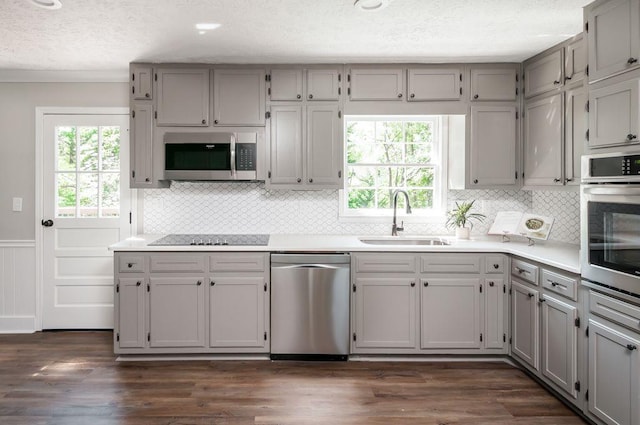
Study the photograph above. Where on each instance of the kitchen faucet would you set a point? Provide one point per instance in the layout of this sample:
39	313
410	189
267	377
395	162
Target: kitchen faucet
394	227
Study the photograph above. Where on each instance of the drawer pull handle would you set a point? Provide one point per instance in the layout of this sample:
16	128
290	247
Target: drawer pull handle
631	347
520	271
554	284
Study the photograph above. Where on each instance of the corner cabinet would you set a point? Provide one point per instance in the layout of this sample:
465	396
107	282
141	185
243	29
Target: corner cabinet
613	33
543	73
183	302
238	97
182	97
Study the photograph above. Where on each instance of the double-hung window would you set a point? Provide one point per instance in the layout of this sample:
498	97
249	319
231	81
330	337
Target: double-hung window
385	153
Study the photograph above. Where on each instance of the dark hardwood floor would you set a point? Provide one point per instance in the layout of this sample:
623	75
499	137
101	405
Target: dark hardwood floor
69	378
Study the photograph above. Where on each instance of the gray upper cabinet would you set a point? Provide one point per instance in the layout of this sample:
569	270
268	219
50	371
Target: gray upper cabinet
285	85
323	84
285	155
183	97
575	139
614	115
493	137
434	84
141	146
324	145
376	84
543	141
575	60
543	73
141	82
239	97
488	84
613	37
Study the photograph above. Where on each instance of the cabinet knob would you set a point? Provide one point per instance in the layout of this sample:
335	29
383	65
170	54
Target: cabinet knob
310	180
204	121
541	300
520	271
631	347
568	180
214	121
298	97
147	179
212	283
199	283
567	78
531	295
425	284
491	284
475	96
310	96
299	180
631	61
556	82
129	265
147	95
554	284
138	283
631	136
557	180
496	266
475	181
413	284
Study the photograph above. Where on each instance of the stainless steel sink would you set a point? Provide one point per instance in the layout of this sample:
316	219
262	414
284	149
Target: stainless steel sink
403	241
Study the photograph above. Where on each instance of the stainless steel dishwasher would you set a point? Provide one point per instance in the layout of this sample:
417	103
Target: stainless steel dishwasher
310	306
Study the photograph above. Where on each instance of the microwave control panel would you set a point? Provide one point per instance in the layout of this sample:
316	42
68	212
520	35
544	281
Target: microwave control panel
245	156
628	165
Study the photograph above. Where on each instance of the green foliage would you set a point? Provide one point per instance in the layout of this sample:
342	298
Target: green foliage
461	214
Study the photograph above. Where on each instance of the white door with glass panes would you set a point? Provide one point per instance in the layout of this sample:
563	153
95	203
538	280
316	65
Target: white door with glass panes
85	208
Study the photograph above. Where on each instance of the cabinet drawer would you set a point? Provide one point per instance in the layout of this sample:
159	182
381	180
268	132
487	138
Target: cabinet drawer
450	263
494	264
177	263
386	263
525	271
131	264
615	310
564	285
237	262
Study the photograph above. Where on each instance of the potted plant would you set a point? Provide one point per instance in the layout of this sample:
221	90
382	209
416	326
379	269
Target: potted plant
460	216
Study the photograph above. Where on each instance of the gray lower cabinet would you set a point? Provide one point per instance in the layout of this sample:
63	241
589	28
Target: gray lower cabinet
525	328
428	303
614	360
191	303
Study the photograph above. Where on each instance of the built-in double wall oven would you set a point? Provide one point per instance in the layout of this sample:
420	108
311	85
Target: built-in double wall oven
610	221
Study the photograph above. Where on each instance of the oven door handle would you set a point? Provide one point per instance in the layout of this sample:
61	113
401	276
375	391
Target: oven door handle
612	190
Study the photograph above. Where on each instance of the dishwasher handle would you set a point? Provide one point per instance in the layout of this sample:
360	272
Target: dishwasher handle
307	266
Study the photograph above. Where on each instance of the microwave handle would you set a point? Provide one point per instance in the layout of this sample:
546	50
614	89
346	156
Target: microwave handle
611	190
233	156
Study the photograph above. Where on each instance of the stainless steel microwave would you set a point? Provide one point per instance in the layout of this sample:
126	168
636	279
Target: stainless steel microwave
209	156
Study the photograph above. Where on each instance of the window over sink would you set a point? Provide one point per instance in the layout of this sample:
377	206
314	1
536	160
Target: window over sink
385	153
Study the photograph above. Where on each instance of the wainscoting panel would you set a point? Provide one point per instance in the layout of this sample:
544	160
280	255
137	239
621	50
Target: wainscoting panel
17	287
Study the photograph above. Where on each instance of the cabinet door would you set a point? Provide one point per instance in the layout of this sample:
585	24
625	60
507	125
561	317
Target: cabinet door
285	155
323	84
450	313
543	74
286	84
575	127
543	141
614	115
131	313
141	82
236	311
176	312
493	137
613	37
524	327
141	146
434	84
495	291
238	97
560	344
575	60
614	375
376	84
183	97
493	84
385	313
324	145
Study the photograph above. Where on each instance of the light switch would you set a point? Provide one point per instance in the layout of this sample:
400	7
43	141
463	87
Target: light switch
17	204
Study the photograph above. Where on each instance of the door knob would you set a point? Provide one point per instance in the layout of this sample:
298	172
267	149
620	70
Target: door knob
47	223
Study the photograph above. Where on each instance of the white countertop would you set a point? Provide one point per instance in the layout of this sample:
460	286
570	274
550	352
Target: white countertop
560	255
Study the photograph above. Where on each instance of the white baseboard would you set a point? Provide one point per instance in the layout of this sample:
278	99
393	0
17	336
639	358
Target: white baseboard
17	324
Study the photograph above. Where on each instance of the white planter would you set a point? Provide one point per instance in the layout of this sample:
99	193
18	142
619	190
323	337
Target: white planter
463	232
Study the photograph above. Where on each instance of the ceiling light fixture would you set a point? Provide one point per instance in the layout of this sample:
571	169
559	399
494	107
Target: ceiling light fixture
371	5
47	4
204	27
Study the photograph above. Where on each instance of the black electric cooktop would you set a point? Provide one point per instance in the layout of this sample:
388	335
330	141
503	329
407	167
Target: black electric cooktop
211	239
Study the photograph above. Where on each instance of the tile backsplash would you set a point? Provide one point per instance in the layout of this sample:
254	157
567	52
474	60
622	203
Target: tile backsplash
196	207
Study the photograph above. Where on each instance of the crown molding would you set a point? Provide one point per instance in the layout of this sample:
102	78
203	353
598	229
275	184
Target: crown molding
61	76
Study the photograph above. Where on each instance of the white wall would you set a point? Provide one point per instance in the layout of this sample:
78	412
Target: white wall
18	102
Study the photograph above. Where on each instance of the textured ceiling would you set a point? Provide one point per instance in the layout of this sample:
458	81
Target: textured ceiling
108	34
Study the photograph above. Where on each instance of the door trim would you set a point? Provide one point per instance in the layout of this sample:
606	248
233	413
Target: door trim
40	114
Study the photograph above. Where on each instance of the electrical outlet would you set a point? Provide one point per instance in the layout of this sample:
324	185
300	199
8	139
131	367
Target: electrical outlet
17	204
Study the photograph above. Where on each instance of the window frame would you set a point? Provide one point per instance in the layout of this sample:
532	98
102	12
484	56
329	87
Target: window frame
440	151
